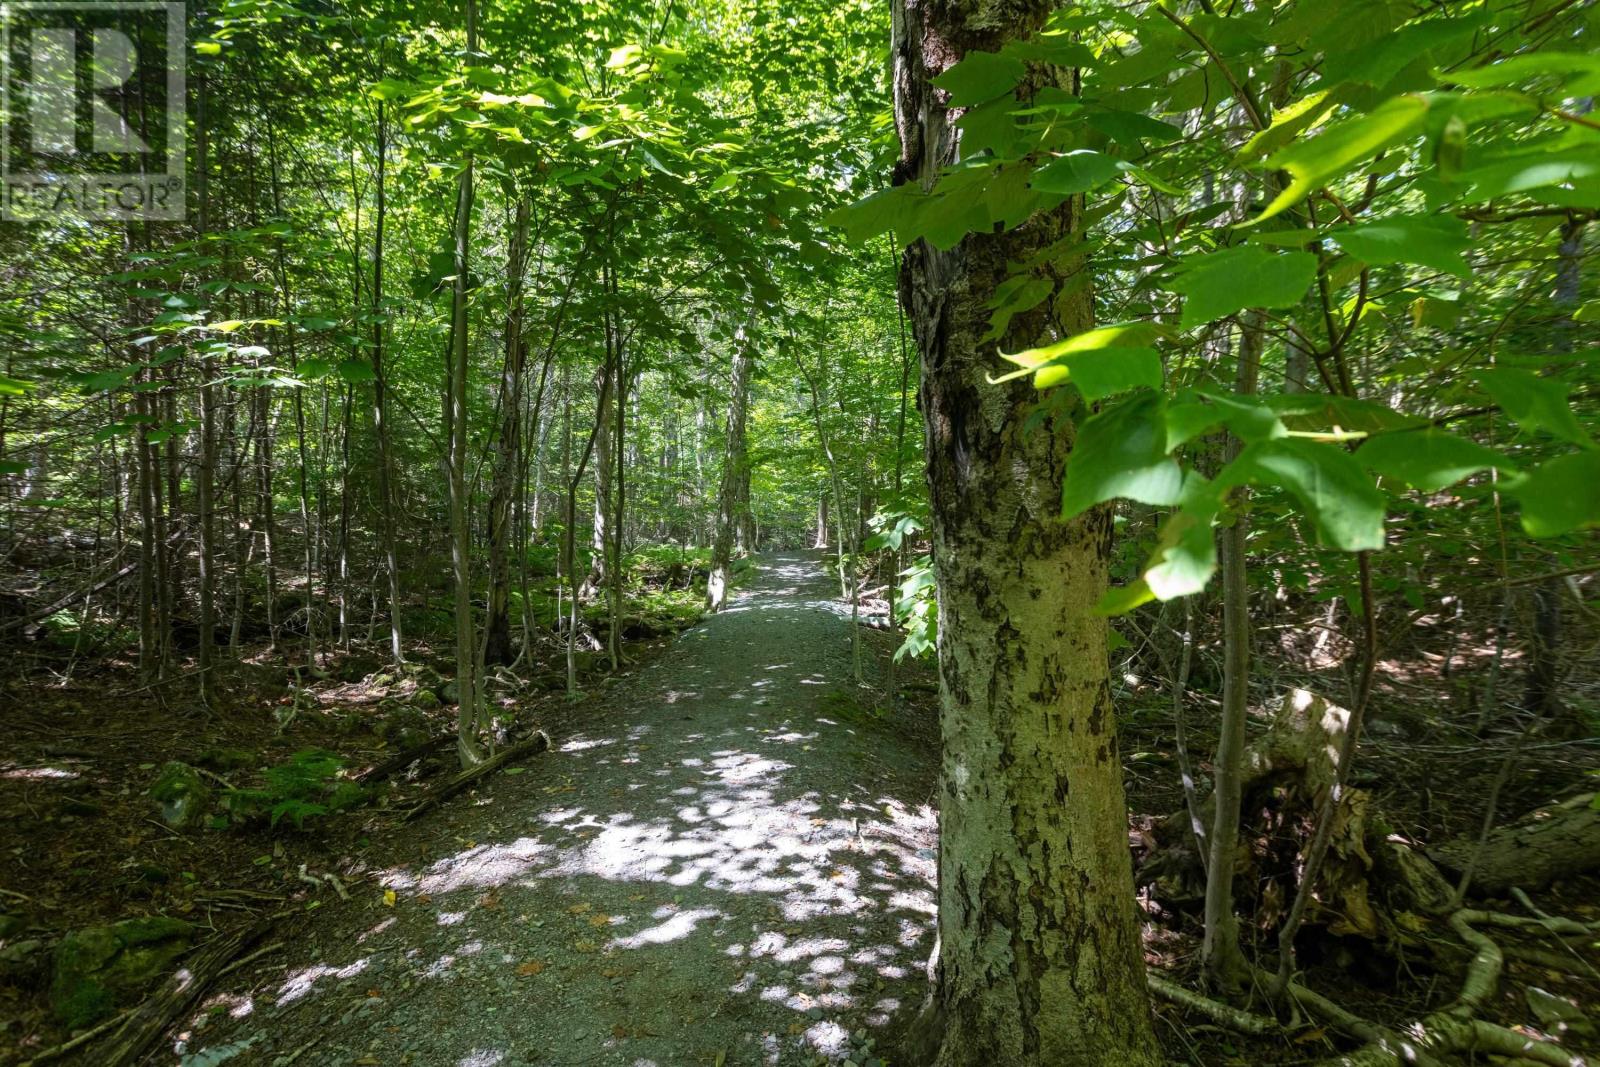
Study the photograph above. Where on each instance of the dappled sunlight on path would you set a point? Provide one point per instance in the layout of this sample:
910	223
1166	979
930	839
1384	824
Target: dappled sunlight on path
734	860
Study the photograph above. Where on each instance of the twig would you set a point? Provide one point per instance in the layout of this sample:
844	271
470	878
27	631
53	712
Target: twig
247	960
83	1038
302	1050
1552	926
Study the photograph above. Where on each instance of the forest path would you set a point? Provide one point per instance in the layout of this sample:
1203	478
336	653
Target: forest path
731	864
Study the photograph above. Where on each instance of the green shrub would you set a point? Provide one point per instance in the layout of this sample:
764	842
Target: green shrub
304	786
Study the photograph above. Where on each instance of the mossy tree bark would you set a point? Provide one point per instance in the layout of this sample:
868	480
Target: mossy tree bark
1039	957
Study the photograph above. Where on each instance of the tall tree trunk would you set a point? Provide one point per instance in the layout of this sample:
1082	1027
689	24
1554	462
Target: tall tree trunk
507	452
898	565
149	545
733	473
618	488
206	474
1539	691
570	537
598	539
1039	960
267	506
297	401
380	400
467	747
847	543
1219	952
346	419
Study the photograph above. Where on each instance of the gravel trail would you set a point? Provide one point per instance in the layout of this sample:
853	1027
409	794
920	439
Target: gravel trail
732	863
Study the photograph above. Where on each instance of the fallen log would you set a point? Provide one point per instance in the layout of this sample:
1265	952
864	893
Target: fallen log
401	760
450	787
160	1012
1555	841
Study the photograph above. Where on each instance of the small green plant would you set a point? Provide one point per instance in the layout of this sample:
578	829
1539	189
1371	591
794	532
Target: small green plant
304	786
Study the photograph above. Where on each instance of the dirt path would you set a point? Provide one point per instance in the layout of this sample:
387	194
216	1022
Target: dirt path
731	864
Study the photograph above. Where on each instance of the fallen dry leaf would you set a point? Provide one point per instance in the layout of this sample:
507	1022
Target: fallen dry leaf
532	967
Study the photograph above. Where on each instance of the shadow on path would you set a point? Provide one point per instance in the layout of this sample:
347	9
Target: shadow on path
732	864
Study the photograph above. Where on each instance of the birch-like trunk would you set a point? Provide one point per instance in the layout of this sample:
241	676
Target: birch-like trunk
467	747
734	475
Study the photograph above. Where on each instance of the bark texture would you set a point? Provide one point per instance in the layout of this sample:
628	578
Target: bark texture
497	647
735	475
1039	957
1556	841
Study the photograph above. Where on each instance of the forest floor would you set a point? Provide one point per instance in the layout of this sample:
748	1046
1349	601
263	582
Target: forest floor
729	861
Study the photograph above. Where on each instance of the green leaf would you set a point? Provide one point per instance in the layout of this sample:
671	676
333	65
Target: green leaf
1127	342
1314	162
1186	555
1076	172
1333	491
1436	241
1428	459
356	371
389	89
1121	452
1131	128
1121	599
1225	282
10	386
1534	403
1109	371
1287	124
980	76
11	466
1522	68
1526	171
883	211
1376	63
1561	495
1314	413
1055	48
1201	412
1019	293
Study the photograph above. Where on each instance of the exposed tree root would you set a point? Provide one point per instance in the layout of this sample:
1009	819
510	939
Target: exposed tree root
1452	1031
1443	1034
1223	1014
